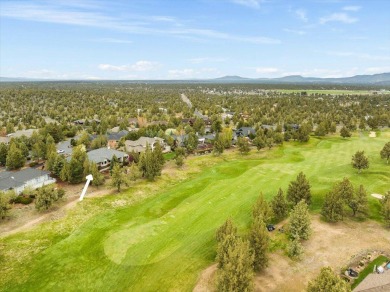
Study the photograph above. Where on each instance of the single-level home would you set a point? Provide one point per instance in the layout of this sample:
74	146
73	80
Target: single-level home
103	156
139	145
245	131
113	138
19	180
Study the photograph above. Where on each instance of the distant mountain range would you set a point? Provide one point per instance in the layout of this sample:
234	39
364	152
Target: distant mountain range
376	79
382	79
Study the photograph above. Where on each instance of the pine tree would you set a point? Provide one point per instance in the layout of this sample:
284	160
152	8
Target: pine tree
259	240
344	132
279	206
76	165
243	145
58	165
385	152
299	225
134	172
46	196
295	249
237	273
226	228
118	177
299	190
385	210
15	158
98	177
359	202
65	171
328	281
50	146
344	189
360	161
218	146
262	209
5	205
3	153
333	207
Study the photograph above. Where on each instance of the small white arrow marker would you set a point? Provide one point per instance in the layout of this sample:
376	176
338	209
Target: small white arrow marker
89	178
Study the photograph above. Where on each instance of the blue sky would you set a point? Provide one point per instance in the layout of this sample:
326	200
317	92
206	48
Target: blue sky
185	39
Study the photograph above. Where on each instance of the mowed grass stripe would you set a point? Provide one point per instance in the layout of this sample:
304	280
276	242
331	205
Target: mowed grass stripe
163	242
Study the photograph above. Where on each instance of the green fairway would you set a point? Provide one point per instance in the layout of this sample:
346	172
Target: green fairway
161	242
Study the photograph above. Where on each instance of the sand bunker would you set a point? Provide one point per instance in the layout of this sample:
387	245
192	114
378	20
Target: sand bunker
378	196
372	134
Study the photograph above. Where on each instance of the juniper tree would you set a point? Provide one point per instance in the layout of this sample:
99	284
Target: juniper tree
385	210
237	272
15	158
262	209
299	190
118	177
344	132
328	281
259	240
385	152
360	161
279	206
333	207
359	202
299	224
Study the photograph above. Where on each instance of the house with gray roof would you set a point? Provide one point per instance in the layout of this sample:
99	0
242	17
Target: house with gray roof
139	145
28	177
103	156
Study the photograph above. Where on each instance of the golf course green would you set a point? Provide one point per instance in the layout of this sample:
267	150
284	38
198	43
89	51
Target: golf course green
162	241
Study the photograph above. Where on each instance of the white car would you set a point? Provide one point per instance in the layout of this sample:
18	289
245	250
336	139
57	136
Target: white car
60	151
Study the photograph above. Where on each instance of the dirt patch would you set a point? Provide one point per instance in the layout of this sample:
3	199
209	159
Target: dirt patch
330	245
372	134
25	217
206	280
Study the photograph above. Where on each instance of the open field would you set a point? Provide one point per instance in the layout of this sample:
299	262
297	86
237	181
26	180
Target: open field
327	91
160	236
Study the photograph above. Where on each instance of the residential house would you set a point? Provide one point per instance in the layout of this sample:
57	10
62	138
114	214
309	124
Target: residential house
139	145
103	156
28	177
245	132
113	138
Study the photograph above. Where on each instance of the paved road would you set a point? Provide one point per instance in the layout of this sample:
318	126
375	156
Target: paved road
186	100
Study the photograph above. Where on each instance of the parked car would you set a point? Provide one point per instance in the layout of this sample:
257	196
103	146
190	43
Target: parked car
60	151
270	227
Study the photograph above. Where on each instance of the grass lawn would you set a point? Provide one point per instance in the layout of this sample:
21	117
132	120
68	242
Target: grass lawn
159	236
368	270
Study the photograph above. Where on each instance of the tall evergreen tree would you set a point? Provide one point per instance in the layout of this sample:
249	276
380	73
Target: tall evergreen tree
385	210
98	177
262	209
279	206
237	273
259	240
328	281
15	157
76	165
360	161
299	190
3	153
118	177
333	207
299	225
359	202
385	152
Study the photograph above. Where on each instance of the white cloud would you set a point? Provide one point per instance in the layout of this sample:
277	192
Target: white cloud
301	14
57	12
299	32
140	66
248	3
338	17
352	8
